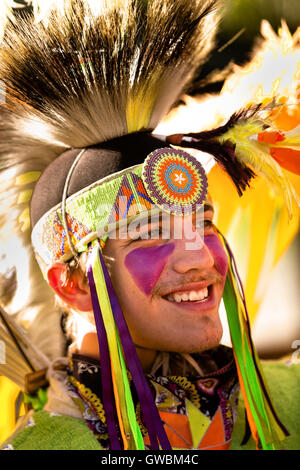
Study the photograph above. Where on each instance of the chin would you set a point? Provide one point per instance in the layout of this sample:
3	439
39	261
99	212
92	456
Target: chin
208	337
194	343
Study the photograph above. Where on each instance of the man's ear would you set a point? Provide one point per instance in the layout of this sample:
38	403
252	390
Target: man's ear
70	286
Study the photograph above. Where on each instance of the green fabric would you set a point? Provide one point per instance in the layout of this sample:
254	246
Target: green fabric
284	385
48	431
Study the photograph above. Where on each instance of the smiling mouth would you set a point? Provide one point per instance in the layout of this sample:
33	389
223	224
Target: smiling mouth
191	296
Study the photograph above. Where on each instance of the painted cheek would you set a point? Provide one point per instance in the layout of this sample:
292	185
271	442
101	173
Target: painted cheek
146	265
214	245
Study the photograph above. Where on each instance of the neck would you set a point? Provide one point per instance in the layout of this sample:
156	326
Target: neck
90	347
146	357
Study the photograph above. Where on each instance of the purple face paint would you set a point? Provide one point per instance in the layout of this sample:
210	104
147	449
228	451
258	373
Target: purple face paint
146	265
214	245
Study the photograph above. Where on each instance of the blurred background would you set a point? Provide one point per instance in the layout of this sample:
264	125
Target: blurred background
239	35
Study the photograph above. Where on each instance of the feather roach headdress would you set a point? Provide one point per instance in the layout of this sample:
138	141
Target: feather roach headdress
86	83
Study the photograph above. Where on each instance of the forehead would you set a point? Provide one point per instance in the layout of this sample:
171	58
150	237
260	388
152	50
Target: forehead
159	215
147	221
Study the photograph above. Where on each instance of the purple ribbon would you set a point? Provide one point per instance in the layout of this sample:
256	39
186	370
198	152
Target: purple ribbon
148	407
106	380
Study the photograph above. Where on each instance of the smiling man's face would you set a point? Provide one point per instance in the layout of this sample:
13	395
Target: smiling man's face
169	289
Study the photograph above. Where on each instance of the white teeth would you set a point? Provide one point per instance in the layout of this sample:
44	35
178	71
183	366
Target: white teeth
192	296
177	297
201	295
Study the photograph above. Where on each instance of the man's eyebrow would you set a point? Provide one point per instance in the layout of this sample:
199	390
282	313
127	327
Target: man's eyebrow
144	221
208	207
157	219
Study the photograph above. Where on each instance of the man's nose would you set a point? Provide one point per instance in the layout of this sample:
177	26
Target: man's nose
187	256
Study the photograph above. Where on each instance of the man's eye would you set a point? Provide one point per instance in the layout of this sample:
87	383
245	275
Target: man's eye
157	233
153	234
138	236
207	223
134	237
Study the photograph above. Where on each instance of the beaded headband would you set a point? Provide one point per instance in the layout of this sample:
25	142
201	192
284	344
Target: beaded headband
170	180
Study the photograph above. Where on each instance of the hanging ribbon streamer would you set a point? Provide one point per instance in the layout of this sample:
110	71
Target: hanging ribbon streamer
119	340
129	429
106	378
265	426
148	408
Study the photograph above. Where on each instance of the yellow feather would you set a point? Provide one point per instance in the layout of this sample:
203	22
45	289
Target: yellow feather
257	155
27	178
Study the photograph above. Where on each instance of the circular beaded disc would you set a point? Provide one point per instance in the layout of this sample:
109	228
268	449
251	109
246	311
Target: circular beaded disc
175	181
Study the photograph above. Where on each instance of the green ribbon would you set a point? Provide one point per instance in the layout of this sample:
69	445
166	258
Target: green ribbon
116	354
37	401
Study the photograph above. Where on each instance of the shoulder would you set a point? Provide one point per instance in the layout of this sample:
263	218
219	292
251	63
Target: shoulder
44	430
283	382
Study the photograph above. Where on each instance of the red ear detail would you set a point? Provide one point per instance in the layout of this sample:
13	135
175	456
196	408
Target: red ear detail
55	275
70	287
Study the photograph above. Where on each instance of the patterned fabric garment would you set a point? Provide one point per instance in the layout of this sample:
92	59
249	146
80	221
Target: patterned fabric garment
198	412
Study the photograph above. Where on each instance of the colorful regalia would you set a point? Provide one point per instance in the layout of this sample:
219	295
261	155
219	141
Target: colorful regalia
87	83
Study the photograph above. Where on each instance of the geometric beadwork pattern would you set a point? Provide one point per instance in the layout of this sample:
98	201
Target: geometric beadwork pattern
103	203
175	181
141	192
130	200
76	229
179	178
